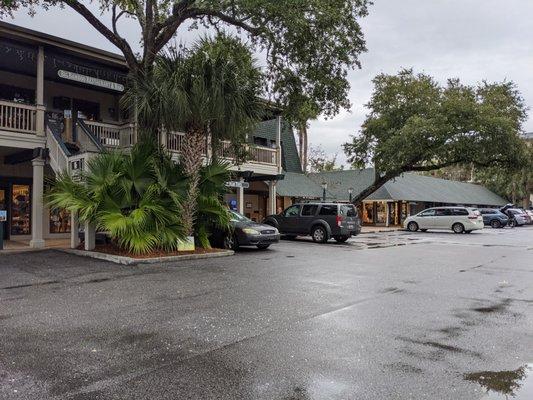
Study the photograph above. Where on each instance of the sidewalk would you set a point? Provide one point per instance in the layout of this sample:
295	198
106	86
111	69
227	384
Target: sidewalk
380	229
16	246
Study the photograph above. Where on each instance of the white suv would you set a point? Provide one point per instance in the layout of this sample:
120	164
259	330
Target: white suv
458	219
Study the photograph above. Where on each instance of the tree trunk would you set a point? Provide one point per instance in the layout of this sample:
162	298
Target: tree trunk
304	146
191	160
379	181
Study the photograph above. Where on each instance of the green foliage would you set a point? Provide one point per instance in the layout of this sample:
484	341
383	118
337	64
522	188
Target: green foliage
135	197
415	124
213	87
510	183
319	161
309	45
212	213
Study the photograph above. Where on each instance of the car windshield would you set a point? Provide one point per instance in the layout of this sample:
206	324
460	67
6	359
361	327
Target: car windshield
236	217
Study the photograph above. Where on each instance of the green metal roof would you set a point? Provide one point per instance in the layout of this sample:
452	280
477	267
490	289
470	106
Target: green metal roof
298	185
409	186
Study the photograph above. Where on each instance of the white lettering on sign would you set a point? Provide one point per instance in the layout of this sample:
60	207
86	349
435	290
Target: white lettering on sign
89	80
234	184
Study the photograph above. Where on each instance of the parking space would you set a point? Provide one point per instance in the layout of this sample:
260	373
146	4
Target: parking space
371	318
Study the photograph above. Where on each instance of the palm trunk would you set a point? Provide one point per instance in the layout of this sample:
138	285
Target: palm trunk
191	160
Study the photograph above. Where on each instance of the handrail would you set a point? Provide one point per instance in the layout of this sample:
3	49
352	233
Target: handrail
110	135
90	134
57	151
18	117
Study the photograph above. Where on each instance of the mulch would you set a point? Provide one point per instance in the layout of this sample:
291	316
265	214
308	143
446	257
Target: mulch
111	248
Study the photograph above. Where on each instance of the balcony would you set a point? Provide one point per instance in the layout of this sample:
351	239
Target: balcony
112	136
257	154
18	117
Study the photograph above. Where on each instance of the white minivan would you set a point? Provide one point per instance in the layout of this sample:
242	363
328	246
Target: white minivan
458	219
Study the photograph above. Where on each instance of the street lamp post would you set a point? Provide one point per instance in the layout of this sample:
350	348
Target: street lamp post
324	188
350	192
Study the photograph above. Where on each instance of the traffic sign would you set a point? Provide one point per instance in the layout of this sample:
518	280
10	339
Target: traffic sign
238	184
3	215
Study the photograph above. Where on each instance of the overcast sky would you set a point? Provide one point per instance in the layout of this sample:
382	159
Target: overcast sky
469	39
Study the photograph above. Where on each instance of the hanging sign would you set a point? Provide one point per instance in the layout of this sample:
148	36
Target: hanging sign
237	184
89	80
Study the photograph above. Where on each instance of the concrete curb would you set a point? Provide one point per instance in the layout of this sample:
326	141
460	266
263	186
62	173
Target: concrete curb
131	261
382	231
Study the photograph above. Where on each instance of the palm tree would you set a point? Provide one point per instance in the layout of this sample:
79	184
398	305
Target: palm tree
135	197
211	91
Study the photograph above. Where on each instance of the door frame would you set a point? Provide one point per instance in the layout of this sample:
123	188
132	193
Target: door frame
7	196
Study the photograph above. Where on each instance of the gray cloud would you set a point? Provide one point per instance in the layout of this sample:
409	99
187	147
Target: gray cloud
469	39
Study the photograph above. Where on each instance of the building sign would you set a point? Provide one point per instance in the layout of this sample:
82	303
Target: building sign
89	80
237	184
3	215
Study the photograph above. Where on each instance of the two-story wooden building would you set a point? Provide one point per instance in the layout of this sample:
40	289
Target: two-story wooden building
60	104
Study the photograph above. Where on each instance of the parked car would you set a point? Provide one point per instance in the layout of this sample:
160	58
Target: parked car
321	221
244	232
458	219
530	213
493	217
517	216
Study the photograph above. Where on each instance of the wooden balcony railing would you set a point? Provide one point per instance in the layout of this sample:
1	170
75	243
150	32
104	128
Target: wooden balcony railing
18	117
112	136
258	154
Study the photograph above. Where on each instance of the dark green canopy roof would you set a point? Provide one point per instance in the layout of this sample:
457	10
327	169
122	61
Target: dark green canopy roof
298	185
409	187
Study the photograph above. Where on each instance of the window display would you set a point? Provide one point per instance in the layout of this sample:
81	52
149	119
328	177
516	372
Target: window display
20	210
368	213
59	221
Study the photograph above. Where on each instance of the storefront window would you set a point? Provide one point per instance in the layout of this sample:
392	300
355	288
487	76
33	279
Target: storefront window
393	216
20	210
381	212
368	213
59	221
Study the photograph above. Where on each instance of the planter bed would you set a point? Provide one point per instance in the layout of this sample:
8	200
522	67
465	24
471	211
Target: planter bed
114	254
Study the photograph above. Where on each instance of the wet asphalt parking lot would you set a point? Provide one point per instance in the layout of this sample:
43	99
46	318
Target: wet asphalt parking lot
385	316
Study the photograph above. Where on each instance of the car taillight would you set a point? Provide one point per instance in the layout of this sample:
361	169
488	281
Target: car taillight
339	220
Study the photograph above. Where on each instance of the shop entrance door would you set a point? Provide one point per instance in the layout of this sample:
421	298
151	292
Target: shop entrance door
4	206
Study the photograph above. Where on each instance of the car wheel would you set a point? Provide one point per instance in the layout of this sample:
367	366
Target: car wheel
495	224
458	228
341	239
319	234
230	242
412	226
263	246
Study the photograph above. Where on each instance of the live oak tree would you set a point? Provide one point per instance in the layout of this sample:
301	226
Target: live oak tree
309	44
416	124
319	161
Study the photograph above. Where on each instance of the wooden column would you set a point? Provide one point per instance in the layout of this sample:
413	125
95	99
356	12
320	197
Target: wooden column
39	93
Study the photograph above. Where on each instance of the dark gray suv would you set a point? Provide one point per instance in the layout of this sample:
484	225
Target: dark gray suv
320	220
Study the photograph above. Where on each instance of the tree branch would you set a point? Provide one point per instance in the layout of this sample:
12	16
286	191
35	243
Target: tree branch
240	23
104	30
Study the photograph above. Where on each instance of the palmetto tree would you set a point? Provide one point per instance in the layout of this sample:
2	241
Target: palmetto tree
135	197
210	91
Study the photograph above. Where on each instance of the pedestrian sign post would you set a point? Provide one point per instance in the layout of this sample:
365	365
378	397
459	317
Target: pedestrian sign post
238	184
3	219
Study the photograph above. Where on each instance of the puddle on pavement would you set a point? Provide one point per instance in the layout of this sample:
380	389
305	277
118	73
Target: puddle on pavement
516	385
